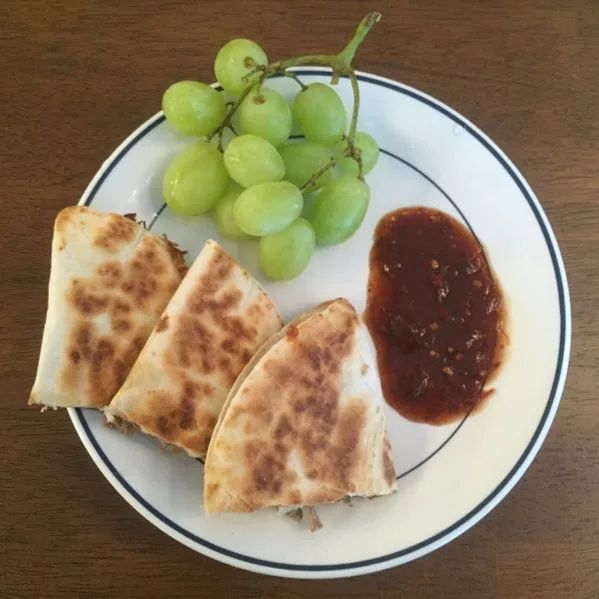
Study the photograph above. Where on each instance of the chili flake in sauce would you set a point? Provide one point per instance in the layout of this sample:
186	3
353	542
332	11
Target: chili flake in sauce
435	313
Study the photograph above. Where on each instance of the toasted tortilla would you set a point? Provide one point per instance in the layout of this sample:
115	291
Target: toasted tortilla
304	423
210	330
110	280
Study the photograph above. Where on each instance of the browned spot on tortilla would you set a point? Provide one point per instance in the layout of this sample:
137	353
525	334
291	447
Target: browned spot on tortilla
261	411
186	412
228	371
323	357
140	288
199	441
148	273
110	273
207	365
313	442
82	340
270	473
81	346
102	376
204	389
153	256
162	324
120	307
163	425
209	421
284	428
120	326
104	351
192	343
85	301
267	474
189	390
120	319
126	354
229	300
228	345
116	232
344	454
252	449
299	406
292	332
238	329
364	369
68	216
223	270
293	498
256	311
217	272
212	488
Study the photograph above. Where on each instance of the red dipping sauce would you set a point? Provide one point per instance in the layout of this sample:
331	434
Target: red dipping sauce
435	313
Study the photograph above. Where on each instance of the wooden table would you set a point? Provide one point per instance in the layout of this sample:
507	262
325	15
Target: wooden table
78	77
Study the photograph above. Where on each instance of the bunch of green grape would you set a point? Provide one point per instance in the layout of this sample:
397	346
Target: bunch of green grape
261	185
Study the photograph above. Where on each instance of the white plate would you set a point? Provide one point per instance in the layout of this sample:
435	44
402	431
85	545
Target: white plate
449	476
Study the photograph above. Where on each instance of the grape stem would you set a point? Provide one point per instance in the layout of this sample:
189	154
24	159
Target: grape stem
226	122
356	107
293	76
220	136
312	180
366	24
341	67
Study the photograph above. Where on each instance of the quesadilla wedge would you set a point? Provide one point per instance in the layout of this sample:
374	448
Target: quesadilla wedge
209	331
304	423
110	280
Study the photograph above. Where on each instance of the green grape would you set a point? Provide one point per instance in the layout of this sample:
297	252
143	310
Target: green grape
296	130
234	61
369	153
304	159
309	199
266	114
268	208
320	113
195	179
339	209
286	254
251	160
193	107
223	215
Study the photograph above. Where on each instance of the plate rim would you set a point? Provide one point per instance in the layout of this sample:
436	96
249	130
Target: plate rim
468	520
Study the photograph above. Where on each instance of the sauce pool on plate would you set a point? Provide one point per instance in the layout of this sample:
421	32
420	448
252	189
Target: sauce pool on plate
435	313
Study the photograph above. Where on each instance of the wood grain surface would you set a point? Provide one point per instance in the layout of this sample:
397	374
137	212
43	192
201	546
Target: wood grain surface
77	77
